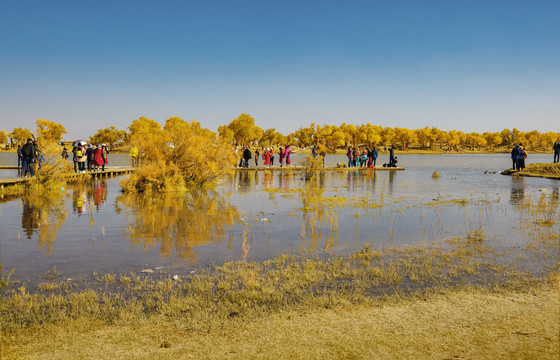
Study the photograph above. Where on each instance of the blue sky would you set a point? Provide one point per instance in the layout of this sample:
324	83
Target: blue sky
465	65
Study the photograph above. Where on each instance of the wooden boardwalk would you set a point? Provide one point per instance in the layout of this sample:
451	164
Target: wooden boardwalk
110	171
328	168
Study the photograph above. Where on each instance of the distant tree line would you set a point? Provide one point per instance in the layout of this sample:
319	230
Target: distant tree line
243	131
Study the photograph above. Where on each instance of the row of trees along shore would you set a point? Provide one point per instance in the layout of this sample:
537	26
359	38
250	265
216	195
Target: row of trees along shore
243	131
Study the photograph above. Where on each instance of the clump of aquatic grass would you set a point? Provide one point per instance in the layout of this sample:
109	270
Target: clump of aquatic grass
435	175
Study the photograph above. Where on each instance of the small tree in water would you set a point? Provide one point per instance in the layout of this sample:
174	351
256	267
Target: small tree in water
311	165
182	155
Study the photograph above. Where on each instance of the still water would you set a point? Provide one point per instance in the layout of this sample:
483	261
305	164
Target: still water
260	215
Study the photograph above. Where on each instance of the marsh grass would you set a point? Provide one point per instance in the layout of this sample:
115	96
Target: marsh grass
248	290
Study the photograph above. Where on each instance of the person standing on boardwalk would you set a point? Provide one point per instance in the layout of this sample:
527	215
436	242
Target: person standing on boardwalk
75	158
556	148
374	155
134	156
19	156
105	155
287	153
97	157
246	156
272	156
81	156
350	155
391	155
257	154
281	155
266	157
515	156
89	157
28	157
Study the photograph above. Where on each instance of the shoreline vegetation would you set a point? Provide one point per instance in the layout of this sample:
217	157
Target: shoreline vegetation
544	170
454	299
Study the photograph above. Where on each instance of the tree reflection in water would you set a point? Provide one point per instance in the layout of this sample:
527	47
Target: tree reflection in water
320	217
44	213
177	222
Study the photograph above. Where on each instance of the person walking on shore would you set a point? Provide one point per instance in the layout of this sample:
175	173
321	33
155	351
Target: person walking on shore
556	148
257	154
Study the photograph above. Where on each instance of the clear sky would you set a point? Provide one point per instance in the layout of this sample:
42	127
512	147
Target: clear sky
469	65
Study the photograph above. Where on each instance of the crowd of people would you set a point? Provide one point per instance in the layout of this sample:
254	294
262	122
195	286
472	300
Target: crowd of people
268	154
85	157
90	157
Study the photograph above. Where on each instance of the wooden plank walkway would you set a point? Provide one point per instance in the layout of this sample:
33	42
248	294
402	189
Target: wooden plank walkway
109	172
329	168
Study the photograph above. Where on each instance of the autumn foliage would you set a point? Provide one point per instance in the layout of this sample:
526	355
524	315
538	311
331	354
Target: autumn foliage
181	154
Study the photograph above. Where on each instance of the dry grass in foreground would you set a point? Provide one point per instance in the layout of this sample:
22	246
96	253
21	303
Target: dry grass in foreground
465	324
453	300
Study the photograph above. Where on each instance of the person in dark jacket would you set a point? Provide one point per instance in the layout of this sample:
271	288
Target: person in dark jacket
89	159
19	156
374	155
247	156
556	148
28	158
391	155
515	156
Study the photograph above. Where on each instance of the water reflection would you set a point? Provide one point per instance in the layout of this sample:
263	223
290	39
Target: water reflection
320	218
44	214
178	222
517	193
92	192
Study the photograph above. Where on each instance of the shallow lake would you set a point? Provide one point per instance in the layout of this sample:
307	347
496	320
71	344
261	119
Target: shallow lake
262	214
